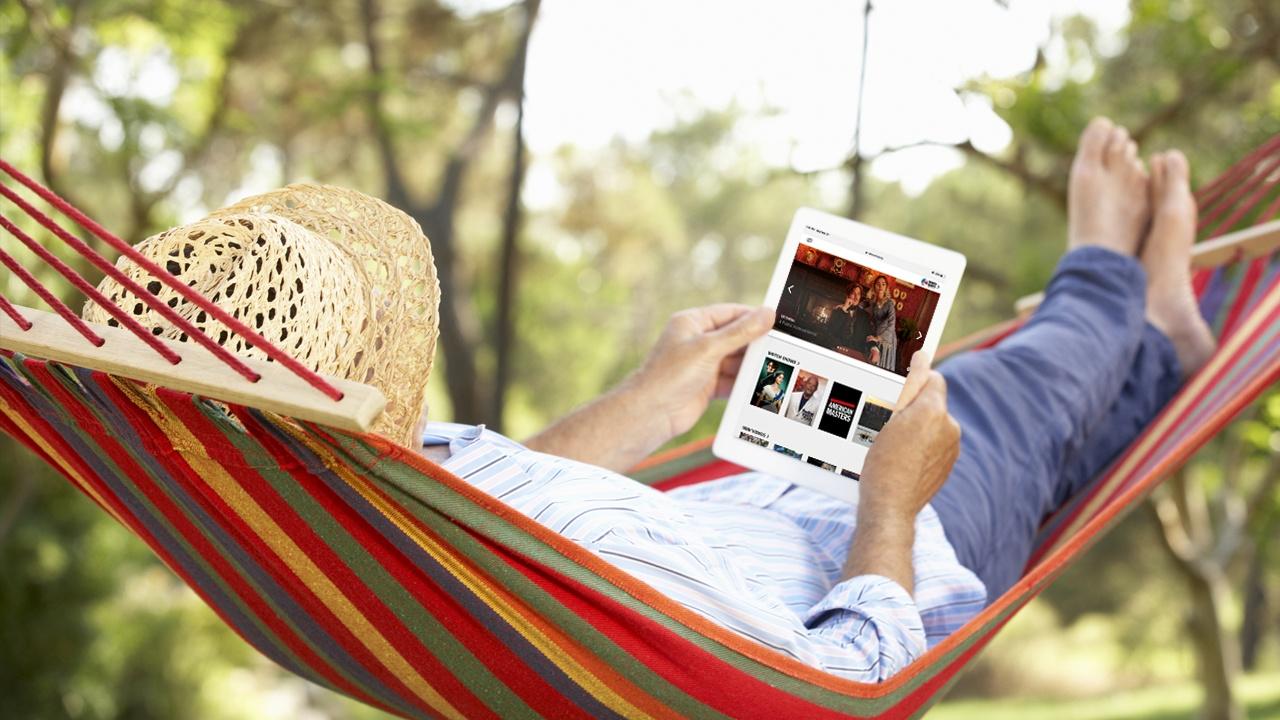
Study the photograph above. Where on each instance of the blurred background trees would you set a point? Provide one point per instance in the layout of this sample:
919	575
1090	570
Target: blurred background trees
147	113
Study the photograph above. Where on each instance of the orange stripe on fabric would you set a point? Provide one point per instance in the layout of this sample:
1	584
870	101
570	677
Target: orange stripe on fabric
673	454
628	584
579	664
316	581
62	464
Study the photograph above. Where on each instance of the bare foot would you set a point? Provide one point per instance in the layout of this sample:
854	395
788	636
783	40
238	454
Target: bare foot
1171	304
1107	199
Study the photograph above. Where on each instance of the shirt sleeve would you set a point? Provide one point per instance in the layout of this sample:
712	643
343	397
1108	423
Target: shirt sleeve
875	619
865	629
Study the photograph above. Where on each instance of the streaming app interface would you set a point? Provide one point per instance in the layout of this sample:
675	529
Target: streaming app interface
849	320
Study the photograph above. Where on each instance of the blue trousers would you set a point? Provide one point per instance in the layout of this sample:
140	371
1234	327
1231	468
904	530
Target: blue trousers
1049	408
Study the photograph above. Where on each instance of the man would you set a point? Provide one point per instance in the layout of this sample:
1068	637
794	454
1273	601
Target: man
803	405
944	522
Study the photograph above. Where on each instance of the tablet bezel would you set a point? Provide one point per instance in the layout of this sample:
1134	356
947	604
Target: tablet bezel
848	239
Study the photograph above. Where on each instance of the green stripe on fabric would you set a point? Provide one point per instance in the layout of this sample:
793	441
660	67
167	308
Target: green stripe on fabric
72	384
419	489
664	470
437	507
434	638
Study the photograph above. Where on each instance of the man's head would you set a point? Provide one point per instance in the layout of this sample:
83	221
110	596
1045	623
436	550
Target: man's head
341	281
853	295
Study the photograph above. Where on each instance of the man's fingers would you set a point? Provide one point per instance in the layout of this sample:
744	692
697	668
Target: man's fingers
717	316
917	376
741	331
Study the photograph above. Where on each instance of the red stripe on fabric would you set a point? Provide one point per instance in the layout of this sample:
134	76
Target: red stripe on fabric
87	422
584	657
693	670
918	698
1253	273
703	473
46	432
19	435
177	519
1200	280
487	649
195	488
359	595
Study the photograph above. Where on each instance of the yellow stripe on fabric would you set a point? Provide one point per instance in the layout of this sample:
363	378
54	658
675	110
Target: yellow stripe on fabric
441	554
301	564
1174	413
65	467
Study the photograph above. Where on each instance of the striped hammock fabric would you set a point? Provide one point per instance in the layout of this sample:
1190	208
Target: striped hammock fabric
365	568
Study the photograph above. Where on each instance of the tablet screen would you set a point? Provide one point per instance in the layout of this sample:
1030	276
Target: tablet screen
853	305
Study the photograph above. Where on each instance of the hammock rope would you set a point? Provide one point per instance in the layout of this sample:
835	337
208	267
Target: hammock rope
164	276
361	566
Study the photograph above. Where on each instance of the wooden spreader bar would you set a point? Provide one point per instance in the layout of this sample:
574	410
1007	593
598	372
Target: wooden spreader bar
278	390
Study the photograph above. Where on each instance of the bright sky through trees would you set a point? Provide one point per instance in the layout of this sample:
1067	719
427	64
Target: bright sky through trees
603	69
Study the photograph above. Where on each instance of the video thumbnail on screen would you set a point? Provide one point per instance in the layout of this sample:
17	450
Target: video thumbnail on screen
854	310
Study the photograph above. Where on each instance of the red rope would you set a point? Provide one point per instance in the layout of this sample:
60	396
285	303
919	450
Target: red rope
244	331
1271	210
1210	193
7	260
1245	206
12	312
1259	176
83	286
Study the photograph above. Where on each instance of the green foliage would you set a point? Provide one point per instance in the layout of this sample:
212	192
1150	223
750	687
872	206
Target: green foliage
253	95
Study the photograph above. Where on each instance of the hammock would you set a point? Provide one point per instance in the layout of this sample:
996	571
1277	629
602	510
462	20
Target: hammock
365	568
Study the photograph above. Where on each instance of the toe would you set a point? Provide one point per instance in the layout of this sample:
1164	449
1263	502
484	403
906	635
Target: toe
1157	165
1177	169
1094	140
1117	140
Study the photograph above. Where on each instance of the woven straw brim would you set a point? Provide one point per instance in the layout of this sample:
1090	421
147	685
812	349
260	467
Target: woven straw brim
342	281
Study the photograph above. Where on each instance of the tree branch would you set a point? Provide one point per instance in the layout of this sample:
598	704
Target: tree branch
504	329
1192	92
393	176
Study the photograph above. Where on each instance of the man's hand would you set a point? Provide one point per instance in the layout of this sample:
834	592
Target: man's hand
909	461
697	358
912	456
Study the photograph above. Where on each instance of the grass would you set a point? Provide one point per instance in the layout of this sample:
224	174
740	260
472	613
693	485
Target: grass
1259	693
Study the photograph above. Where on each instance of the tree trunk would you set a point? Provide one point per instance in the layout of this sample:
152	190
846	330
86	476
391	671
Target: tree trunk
1217	657
1253	626
504	327
459	320
1189	541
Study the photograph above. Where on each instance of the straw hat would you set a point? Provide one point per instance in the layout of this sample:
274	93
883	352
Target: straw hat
343	282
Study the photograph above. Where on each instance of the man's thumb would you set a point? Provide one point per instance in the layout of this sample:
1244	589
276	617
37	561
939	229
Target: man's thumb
917	376
743	330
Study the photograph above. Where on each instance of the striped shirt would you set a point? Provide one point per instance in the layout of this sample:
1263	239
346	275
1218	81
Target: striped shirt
751	552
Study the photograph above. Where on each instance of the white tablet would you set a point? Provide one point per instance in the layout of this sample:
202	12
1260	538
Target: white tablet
853	305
